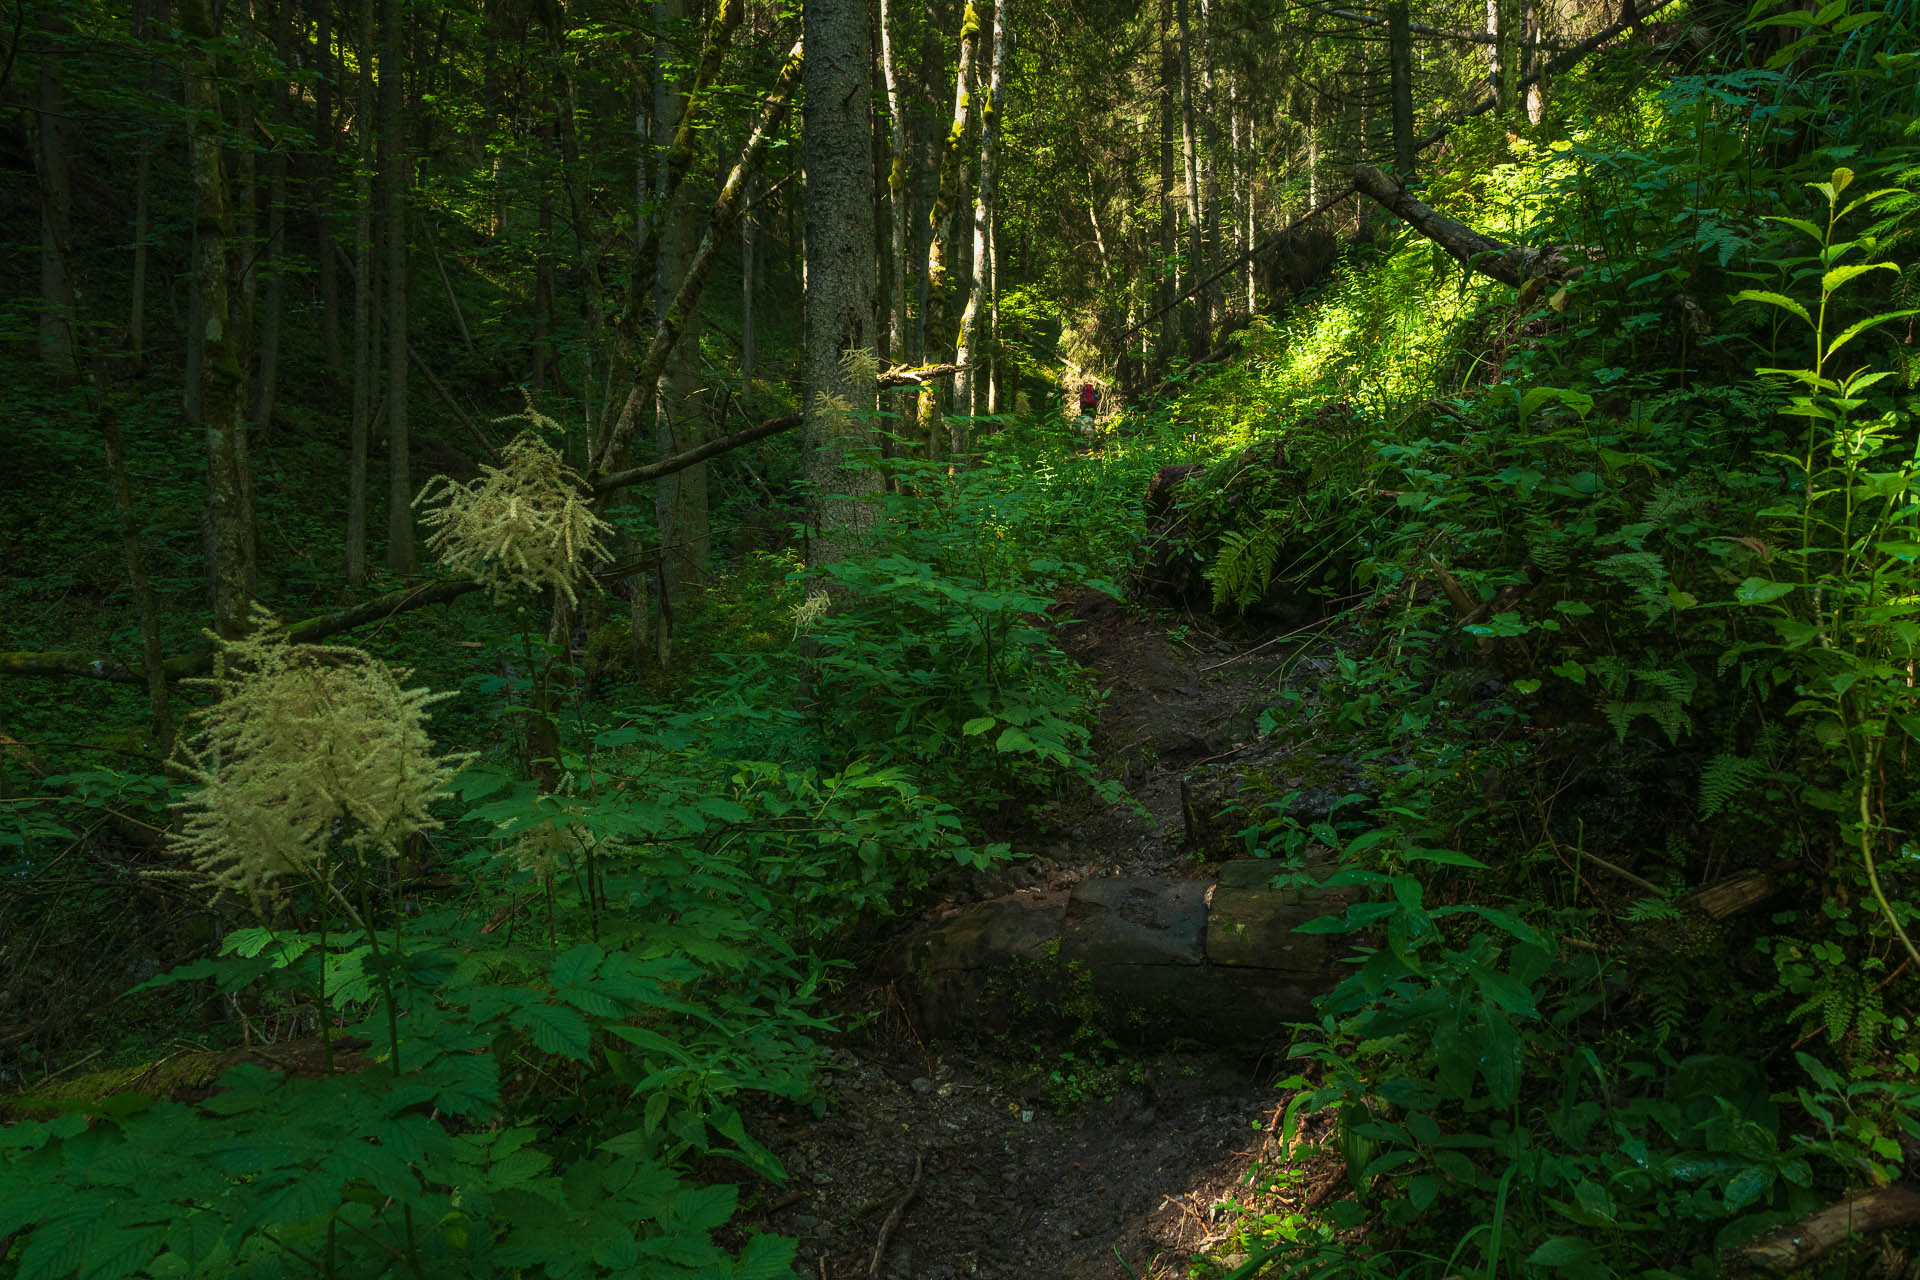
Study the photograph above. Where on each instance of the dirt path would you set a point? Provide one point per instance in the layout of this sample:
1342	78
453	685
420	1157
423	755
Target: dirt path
1105	1165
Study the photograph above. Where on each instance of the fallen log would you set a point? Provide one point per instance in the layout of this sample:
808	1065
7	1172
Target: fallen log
1512	264
1813	1237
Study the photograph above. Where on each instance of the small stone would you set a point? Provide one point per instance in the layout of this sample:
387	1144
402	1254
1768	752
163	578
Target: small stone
1026	1117
805	1222
823	1178
921	1084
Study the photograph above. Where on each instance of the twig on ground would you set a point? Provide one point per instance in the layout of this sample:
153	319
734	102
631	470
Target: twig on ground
893	1219
1321	625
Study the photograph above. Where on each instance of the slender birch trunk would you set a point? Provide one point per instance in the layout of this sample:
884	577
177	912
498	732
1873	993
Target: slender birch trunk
899	200
939	282
967	384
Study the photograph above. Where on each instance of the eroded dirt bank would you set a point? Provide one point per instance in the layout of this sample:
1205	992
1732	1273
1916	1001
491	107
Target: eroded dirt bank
1030	1154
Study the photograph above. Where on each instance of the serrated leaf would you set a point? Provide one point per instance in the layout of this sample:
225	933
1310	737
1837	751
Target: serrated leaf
1772	299
977	725
766	1258
555	1029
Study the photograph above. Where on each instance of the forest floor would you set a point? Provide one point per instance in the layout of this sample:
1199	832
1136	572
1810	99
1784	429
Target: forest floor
1116	1167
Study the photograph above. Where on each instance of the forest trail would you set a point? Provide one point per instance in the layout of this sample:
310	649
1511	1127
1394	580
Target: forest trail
1116	1172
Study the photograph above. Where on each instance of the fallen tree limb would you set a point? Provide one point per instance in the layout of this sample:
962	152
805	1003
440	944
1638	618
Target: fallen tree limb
1560	62
897	376
1818	1234
1512	264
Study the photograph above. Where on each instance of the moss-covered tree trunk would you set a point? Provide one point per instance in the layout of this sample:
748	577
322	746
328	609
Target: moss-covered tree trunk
938	308
840	279
223	354
968	383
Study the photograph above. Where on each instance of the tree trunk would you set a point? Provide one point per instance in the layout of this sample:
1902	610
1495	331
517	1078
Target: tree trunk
223	361
995	401
402	553
1196	219
937	309
1400	59
142	209
1169	273
152	659
1506	23
1510	264
749	265
543	291
320	188
59	345
679	421
363	338
617	431
840	278
899	200
967	384
267	384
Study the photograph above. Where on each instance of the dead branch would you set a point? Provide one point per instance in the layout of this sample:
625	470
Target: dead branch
893	1219
1512	264
1805	1242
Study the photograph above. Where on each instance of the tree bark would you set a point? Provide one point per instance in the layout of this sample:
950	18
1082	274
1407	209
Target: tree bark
1169	273
1196	218
1819	1234
223	362
1512	264
680	411
363	338
617	431
967	386
936	308
899	201
749	262
59	345
145	609
1400	60
839	427
267	382
403	556
320	187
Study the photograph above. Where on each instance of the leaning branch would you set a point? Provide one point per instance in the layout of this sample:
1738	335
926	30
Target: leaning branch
71	664
1559	63
1512	264
673	320
897	376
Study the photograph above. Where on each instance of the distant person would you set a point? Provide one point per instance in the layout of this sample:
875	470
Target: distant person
1089	400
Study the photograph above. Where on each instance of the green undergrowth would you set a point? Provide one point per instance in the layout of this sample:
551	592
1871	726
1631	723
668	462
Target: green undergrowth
502	1033
1622	579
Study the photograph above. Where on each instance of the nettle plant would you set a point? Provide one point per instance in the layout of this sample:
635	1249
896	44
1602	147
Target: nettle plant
1844	593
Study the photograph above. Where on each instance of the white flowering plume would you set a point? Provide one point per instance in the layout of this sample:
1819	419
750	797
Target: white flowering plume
309	749
527	524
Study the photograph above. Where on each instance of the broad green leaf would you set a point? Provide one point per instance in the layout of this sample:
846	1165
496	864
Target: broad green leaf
1561	1251
1839	276
1859	327
1780	300
1500	988
1760	591
766	1258
977	725
1013	740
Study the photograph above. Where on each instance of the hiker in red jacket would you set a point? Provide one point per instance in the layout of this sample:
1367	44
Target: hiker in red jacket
1089	400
